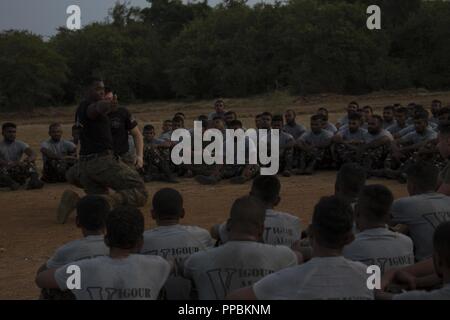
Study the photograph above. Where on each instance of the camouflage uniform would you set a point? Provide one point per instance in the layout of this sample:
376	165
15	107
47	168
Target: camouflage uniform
344	153
156	165
18	173
321	156
374	158
55	170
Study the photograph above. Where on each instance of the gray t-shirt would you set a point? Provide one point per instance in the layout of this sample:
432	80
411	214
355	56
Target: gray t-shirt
166	136
343	120
324	278
395	128
137	277
439	294
234	265
368	137
330	127
412	128
347	135
322	139
61	148
176	243
86	248
422	214
381	247
12	151
296	130
414	137
280	228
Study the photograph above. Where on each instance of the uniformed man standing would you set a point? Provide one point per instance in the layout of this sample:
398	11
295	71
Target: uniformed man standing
99	171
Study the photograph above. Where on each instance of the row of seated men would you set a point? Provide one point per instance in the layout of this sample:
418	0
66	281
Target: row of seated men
383	145
261	252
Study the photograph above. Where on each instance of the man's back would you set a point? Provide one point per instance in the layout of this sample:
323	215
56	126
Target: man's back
382	247
176	243
422	214
321	278
219	271
88	247
136	277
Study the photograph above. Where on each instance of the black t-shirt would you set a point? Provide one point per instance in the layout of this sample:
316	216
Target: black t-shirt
95	135
121	124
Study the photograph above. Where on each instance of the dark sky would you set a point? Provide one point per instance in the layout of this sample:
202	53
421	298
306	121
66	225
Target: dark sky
44	16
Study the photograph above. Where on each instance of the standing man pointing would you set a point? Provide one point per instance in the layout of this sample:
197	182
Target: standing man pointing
99	171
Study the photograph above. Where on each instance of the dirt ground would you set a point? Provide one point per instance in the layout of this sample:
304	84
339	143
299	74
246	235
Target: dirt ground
28	231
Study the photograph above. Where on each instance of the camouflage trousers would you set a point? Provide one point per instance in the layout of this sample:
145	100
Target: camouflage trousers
344	153
18	173
374	158
98	175
55	170
320	156
287	160
157	166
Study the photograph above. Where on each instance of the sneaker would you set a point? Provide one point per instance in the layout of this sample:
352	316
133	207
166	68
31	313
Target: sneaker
206	180
67	204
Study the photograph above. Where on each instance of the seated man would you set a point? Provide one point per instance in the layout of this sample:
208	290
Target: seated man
328	275
166	130
406	147
286	143
14	171
280	228
292	127
401	114
243	260
156	157
229	117
58	155
375	244
351	108
326	124
423	210
388	116
441	263
377	145
312	148
123	274
172	241
91	216
219	110
348	141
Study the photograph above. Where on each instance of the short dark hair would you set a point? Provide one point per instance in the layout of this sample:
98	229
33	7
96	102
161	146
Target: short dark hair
218	118
354	116
277	117
148	127
266	113
368	107
375	202
54	125
247	213
421	115
167	203
231	113
178	119
168	120
437	101
8	125
92	211
322	109
266	188
423	174
441	242
401	110
291	110
236	123
180	114
350	179
354	103
388	108
332	221
316	117
259	115
124	227
202	117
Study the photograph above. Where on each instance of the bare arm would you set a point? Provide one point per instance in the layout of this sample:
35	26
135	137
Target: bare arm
139	143
46	279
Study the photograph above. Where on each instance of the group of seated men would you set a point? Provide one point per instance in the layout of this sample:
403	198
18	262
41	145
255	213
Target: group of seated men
384	145
263	253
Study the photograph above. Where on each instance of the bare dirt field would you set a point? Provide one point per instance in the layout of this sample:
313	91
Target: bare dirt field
28	231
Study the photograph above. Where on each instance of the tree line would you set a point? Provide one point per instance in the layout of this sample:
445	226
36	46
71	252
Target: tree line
175	50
